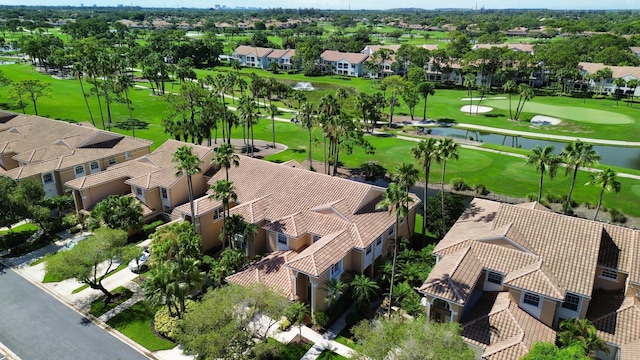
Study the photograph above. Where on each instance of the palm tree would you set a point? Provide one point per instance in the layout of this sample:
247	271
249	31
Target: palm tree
425	151
297	311
249	114
364	288
273	110
406	176
78	72
446	149
425	89
299	96
545	161
341	95
619	82
469	81
157	288
577	154
307	120
606	181
224	191
526	94
226	158
394	200
189	164
122	85
509	87
335	289
583	332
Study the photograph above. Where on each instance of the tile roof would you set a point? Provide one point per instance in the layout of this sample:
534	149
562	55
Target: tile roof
542	240
335	56
270	271
49	145
454	277
617	71
328	250
278	53
621	326
258	51
148	171
502	329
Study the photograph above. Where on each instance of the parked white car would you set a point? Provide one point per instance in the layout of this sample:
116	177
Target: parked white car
140	264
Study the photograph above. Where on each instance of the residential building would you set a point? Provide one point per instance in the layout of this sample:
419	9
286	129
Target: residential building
311	227
607	85
349	64
251	56
511	273
54	152
151	178
282	57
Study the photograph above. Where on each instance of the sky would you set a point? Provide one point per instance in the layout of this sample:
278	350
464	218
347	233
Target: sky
348	4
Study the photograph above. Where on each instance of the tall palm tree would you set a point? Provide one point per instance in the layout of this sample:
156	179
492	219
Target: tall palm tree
249	114
469	82
364	288
307	120
406	176
226	158
78	71
575	155
447	149
606	180
545	161
273	110
224	191
425	152
341	95
187	164
122	85
394	200
425	89
509	87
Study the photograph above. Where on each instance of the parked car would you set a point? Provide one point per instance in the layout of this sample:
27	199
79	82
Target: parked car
140	264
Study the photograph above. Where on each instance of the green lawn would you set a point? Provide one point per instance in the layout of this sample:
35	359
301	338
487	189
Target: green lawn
576	113
98	307
135	323
20	228
289	351
330	355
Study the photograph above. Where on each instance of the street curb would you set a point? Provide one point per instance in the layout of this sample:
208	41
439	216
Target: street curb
10	355
115	333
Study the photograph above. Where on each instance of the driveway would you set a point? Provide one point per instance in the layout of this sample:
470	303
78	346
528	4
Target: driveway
36	326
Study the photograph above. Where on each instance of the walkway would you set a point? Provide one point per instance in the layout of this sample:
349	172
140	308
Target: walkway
325	342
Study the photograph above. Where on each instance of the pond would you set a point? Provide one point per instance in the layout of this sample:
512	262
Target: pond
609	155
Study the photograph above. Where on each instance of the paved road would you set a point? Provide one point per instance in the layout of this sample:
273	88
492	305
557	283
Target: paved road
35	326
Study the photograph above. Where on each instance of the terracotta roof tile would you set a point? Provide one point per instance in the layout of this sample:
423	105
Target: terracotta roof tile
270	271
334	56
454	276
534	278
328	250
621	326
258	51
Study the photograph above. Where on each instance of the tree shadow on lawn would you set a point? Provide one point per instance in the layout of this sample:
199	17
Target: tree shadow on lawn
126	124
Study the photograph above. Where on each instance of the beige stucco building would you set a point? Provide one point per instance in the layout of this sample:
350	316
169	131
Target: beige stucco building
539	268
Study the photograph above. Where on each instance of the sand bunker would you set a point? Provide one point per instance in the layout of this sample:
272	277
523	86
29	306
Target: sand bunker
484	98
544	120
476	109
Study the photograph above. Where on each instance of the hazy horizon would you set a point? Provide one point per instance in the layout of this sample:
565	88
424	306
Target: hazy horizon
344	5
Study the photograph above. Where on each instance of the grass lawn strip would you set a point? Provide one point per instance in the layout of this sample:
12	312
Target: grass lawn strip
593	116
21	228
135	323
122	266
291	351
330	355
121	295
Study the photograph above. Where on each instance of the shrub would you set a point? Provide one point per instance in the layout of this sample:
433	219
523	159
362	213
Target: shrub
589	205
69	221
352	319
554	199
284	324
459	184
481	189
165	324
149	229
320	319
532	197
617	216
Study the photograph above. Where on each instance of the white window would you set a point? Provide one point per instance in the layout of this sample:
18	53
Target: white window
94	166
531	299
390	232
609	274
138	191
494	277
112	161
218	213
282	239
571	302
336	269
368	251
164	193
127	155
47	178
316	237
79	169
379	240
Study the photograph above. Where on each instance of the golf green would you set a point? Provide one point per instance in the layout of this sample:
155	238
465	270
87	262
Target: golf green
580	114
